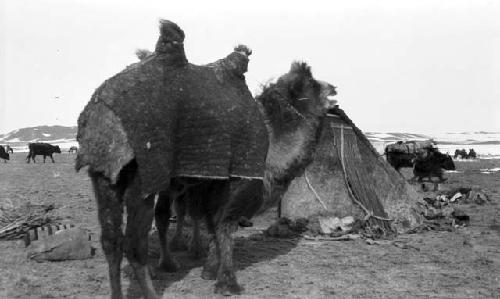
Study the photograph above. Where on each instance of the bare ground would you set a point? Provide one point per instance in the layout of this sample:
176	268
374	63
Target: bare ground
463	263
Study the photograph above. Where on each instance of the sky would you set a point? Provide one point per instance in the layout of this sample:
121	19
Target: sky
421	66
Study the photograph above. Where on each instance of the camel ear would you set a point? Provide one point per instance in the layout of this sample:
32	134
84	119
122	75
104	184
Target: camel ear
143	53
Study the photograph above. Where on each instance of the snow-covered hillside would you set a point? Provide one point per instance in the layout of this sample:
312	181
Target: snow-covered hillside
485	143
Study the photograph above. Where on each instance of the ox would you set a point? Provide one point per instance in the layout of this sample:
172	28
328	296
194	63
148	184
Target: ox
44	149
402	154
9	149
462	154
73	149
432	166
472	154
4	154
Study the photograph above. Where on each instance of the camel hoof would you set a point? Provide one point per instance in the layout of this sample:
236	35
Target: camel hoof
178	244
228	288
168	266
244	222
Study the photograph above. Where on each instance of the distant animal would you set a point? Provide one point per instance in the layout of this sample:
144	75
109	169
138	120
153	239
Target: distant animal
399	160
43	149
402	154
73	149
4	154
460	153
129	158
432	166
472	154
9	149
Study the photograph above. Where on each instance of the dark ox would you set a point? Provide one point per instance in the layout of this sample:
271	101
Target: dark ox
399	160
432	166
403	153
3	154
43	149
9	149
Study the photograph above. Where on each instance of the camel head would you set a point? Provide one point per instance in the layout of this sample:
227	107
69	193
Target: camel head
294	109
297	96
308	96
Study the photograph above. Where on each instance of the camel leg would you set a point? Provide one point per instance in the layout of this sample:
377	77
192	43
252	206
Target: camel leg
226	279
110	209
211	265
178	242
162	216
196	250
140	212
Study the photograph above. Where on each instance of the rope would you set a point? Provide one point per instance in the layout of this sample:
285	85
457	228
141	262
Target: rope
369	214
314	191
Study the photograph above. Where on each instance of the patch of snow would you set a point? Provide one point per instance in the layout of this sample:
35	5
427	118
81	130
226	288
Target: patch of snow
490	170
46	135
381	135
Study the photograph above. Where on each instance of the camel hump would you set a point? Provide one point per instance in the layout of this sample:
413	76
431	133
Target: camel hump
170	31
170	44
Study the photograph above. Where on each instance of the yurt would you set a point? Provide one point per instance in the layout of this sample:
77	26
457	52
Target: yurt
348	177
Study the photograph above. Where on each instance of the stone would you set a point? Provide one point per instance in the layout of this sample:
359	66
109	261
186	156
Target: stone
329	225
69	244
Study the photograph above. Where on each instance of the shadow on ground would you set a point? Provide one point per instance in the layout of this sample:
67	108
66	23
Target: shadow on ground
248	250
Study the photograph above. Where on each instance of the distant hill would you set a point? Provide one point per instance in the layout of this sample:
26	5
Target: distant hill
66	137
39	134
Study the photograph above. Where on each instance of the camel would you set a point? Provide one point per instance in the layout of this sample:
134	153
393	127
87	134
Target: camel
294	120
165	126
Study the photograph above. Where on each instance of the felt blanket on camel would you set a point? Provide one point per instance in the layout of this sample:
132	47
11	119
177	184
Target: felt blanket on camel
178	119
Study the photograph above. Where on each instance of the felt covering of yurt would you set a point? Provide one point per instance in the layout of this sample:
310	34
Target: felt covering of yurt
348	177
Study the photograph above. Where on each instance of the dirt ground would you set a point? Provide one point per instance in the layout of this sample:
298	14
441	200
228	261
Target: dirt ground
463	263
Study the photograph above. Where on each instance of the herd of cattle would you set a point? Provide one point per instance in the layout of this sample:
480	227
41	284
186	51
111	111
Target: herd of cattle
35	149
462	154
